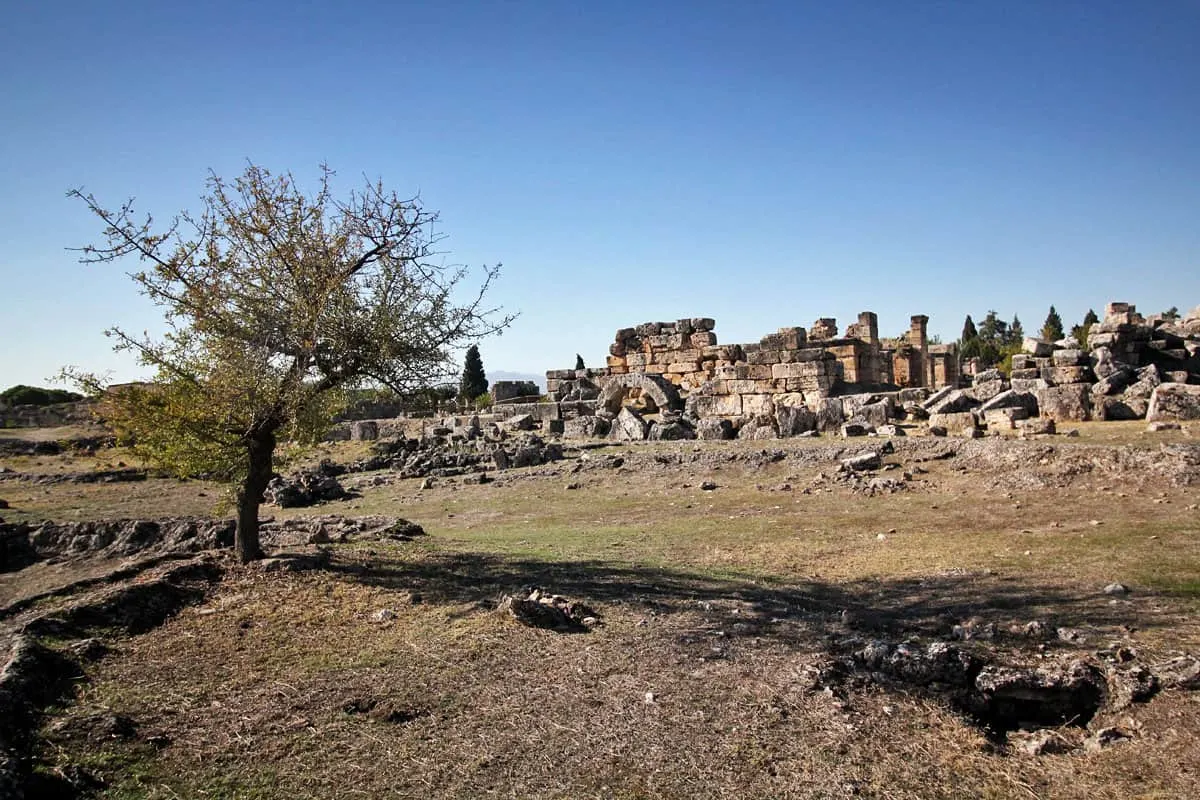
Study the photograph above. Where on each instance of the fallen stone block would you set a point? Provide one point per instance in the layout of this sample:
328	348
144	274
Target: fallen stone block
850	429
956	422
863	461
1174	401
1068	403
1037	347
628	426
714	429
957	400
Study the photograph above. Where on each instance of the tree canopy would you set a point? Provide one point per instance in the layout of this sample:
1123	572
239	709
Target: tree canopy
276	301
993	341
22	395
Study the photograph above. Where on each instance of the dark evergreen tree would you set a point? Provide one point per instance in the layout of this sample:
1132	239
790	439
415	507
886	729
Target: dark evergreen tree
1080	332
1052	328
1016	333
579	362
968	332
474	381
993	330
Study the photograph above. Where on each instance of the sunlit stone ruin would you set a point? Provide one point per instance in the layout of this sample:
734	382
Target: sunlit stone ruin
674	380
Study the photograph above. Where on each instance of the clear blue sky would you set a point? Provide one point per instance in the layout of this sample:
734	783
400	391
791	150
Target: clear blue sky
762	163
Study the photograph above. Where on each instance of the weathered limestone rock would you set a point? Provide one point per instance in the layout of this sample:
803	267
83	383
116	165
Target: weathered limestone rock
304	488
986	390
873	414
586	427
953	402
792	416
366	430
1004	419
829	414
628	426
1028	385
912	395
863	461
1012	399
1119	407
1069	358
673	430
521	422
714	428
1071	402
954	422
1174	401
850	429
1036	426
1060	375
757	405
1037	347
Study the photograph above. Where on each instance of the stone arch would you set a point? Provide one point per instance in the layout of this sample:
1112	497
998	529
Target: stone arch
652	389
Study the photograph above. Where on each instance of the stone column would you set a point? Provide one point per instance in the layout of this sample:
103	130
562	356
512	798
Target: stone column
918	339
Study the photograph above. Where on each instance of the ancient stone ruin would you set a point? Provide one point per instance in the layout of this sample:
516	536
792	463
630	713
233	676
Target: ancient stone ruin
674	380
789	383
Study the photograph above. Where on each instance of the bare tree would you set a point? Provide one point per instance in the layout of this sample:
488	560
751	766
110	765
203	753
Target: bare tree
277	302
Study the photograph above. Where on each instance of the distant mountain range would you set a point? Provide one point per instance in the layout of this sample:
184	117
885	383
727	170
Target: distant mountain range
505	375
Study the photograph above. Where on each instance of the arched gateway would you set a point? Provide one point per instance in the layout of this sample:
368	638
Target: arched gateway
651	391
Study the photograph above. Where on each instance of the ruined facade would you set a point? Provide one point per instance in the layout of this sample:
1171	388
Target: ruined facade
794	366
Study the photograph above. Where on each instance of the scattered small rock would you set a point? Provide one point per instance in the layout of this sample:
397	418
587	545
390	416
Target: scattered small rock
1116	589
1038	743
91	649
1106	737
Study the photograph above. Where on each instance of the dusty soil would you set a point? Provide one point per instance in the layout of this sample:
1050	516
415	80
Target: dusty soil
736	586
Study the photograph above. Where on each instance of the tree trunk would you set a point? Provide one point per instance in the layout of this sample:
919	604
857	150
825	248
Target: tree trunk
259	449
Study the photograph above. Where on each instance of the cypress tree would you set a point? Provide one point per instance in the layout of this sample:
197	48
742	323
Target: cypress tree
579	362
1080	332
1052	328
474	380
968	332
1015	331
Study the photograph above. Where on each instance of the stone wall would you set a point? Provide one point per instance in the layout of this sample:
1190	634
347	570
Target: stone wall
791	367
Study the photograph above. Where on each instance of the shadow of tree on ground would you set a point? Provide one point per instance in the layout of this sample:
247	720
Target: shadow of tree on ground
929	606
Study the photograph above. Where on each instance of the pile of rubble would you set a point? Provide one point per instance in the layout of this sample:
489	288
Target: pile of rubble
1133	368
307	487
540	609
449	448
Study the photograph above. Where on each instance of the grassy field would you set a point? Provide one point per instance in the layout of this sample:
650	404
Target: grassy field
391	674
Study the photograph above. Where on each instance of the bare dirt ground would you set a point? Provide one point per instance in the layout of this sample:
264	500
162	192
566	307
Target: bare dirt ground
741	589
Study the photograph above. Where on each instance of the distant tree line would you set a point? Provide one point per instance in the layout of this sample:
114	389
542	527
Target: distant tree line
994	341
22	395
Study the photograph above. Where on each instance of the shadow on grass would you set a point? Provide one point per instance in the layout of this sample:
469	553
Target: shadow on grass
892	608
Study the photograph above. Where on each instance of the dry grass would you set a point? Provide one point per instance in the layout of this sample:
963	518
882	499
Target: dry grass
717	606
